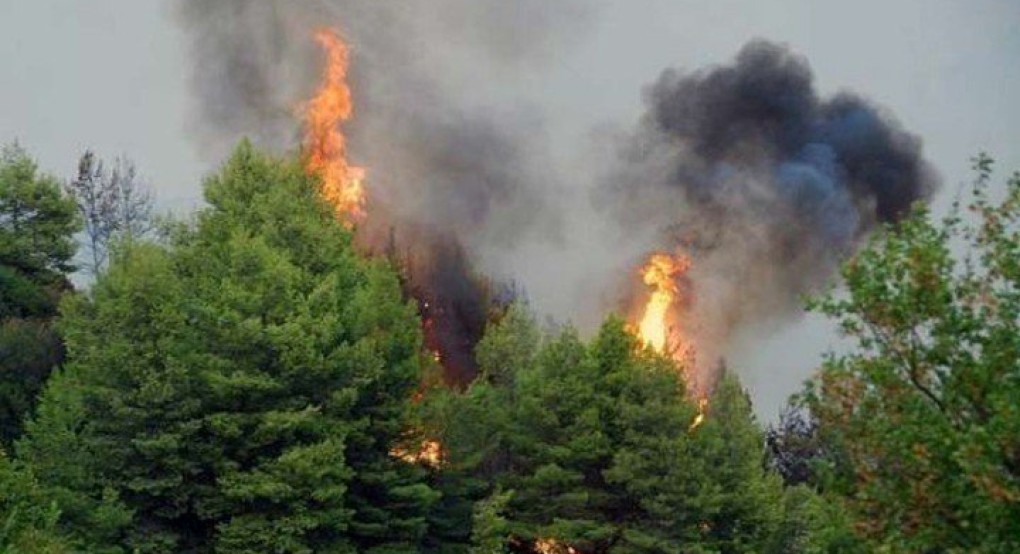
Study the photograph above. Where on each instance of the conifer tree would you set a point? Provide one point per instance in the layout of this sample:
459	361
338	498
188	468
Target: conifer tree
28	523
591	447
240	389
37	227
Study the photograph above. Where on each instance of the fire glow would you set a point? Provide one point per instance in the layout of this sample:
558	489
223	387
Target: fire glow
342	185
428	452
661	273
325	143
552	546
655	329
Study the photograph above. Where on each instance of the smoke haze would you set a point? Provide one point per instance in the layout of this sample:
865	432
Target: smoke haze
763	183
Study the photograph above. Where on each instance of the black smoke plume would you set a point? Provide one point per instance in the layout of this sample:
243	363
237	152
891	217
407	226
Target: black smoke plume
763	182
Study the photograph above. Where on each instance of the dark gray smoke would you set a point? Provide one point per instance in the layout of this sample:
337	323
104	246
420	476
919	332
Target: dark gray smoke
764	183
764	108
456	165
425	126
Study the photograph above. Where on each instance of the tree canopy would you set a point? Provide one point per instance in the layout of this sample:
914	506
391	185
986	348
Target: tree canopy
249	381
593	447
237	390
922	416
37	227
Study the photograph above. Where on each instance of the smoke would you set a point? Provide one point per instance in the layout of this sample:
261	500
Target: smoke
765	184
457	169
438	148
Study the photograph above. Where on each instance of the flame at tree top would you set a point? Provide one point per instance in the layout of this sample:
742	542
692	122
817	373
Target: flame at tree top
700	418
325	144
661	273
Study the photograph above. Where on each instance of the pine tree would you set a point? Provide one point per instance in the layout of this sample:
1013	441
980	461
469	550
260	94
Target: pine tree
240	389
591	447
37	227
28	524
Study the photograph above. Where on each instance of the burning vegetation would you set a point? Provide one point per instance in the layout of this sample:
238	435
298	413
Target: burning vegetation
659	327
767	181
733	139
325	143
450	297
453	323
263	382
655	328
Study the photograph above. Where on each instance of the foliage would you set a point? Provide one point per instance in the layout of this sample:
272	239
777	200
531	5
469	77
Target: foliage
112	205
814	524
37	225
238	390
27	521
490	529
591	446
924	411
796	448
252	384
29	350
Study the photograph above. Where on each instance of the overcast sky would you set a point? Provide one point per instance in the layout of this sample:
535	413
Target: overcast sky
111	75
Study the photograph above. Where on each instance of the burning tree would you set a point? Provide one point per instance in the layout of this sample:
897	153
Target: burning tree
452	299
661	273
325	143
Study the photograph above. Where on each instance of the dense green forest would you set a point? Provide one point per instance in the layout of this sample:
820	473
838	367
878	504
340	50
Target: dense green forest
247	381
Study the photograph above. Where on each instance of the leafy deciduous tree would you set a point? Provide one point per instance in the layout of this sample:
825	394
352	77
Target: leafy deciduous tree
925	410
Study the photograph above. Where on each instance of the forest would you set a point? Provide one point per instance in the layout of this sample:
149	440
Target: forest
248	380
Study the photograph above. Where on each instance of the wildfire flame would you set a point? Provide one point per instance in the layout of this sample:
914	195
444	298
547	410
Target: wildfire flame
700	418
343	183
325	144
660	273
552	546
429	452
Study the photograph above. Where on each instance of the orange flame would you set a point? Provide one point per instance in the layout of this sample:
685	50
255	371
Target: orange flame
325	144
700	418
553	546
660	273
429	452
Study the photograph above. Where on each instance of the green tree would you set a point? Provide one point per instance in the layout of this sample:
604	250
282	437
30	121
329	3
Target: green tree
37	227
490	528
240	389
591	447
814	524
737	504
28	523
924	410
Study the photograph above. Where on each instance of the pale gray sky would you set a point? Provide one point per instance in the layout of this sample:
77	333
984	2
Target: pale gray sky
112	75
